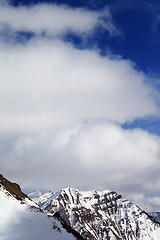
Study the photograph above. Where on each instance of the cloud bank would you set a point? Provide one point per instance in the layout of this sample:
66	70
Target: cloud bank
49	84
101	156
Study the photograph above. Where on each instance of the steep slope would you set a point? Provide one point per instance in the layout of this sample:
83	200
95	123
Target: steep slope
99	215
21	218
12	189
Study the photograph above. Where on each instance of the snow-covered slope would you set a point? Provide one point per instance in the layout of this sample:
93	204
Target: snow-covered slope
99	214
22	219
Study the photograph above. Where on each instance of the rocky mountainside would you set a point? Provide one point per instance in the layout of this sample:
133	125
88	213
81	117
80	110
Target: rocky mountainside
21	218
98	215
13	191
12	188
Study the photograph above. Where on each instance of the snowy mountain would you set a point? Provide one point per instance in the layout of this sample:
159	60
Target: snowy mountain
90	215
98	215
21	218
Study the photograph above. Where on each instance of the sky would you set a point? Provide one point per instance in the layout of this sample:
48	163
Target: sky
80	96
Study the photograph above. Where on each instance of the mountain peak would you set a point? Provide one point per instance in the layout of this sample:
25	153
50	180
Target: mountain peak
99	215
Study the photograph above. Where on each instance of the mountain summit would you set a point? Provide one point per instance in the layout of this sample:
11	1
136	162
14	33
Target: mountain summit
99	215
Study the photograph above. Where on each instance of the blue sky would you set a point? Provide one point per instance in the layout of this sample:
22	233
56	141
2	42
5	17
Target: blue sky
80	98
138	23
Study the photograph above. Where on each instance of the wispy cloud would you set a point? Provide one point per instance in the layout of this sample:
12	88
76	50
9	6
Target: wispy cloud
53	20
154	10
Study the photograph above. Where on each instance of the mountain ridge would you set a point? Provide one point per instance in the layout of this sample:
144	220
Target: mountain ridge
88	215
100	214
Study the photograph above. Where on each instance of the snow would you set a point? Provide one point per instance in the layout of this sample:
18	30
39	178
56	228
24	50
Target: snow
18	222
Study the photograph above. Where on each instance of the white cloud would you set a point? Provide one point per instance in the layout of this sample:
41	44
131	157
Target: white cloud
49	84
112	147
101	156
149	204
154	200
54	19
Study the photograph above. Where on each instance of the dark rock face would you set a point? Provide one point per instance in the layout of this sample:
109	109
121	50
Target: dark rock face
13	188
